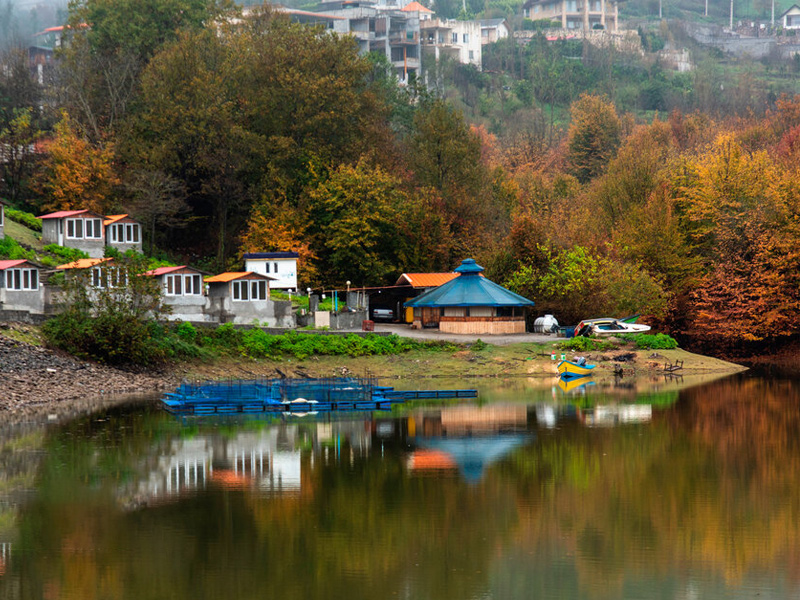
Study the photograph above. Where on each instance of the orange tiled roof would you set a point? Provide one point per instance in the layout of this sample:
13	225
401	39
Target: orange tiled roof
416	7
83	263
425	280
114	218
234	275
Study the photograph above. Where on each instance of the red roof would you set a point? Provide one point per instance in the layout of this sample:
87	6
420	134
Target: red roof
164	271
8	264
67	213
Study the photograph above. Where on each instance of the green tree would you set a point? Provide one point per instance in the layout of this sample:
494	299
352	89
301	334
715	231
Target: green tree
354	217
594	135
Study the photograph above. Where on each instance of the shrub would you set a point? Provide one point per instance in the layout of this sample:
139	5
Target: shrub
68	254
586	344
187	332
646	341
24	218
11	250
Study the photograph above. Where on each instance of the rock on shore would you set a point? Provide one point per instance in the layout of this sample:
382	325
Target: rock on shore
32	376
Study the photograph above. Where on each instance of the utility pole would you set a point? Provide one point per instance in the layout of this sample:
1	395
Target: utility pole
706	13
659	10
773	15
731	15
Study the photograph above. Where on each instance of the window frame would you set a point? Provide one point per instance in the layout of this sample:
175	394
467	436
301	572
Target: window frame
22	279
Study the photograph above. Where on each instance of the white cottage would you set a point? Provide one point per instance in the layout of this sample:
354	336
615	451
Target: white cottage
123	233
791	18
21	287
81	229
243	297
183	290
281	267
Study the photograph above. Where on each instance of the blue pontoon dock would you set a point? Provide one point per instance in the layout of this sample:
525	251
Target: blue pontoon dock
294	396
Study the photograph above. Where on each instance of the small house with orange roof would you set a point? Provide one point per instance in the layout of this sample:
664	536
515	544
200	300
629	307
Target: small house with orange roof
80	229
415	7
97	271
184	291
2	219
243	297
123	233
21	286
413	284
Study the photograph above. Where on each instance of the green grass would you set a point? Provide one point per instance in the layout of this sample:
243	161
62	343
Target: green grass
23	235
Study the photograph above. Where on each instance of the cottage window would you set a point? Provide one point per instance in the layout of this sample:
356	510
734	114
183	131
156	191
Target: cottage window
183	285
465	38
471	55
94	228
275	265
22	279
266	265
125	233
454	38
249	290
75	228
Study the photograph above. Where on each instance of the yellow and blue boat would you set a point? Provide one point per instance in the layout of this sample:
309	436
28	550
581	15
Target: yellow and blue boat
567	368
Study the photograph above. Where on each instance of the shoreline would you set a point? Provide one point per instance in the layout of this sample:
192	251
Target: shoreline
35	379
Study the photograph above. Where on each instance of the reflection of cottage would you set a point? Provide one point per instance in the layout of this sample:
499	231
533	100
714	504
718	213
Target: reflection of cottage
183	290
243	297
2	219
123	233
81	229
20	286
280	266
470	304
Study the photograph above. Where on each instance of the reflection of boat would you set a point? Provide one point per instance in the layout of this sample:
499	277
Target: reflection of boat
610	415
473	455
574	369
568	384
610	326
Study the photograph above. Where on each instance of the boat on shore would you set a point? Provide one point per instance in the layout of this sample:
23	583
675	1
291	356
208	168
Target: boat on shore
568	368
610	326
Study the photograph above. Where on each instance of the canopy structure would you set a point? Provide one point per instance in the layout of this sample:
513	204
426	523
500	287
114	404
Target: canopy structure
470	304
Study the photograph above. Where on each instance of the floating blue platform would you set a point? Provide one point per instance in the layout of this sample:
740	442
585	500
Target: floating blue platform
294	396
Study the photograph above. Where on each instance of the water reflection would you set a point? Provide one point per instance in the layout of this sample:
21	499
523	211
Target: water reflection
525	493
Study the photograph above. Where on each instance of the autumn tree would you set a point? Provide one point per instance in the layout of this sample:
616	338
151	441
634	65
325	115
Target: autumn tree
109	43
240	114
77	174
595	133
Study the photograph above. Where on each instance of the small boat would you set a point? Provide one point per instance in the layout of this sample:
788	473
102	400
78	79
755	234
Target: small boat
574	369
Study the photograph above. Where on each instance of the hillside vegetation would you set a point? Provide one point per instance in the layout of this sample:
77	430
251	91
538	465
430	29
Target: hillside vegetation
590	180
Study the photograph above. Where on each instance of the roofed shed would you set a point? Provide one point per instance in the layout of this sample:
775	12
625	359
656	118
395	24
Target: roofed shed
470	304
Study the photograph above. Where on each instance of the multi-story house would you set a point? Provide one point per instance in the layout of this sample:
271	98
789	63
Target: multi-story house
376	28
460	40
575	14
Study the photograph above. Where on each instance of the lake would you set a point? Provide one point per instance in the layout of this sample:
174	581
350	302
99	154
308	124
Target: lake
652	490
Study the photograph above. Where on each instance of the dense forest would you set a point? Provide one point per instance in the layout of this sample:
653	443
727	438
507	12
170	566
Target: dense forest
586	179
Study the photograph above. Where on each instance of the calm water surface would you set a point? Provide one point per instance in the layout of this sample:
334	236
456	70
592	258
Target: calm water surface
529	492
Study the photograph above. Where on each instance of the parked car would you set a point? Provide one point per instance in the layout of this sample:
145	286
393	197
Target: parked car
382	314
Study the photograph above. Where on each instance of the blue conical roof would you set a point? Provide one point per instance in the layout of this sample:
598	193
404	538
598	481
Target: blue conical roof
469	289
